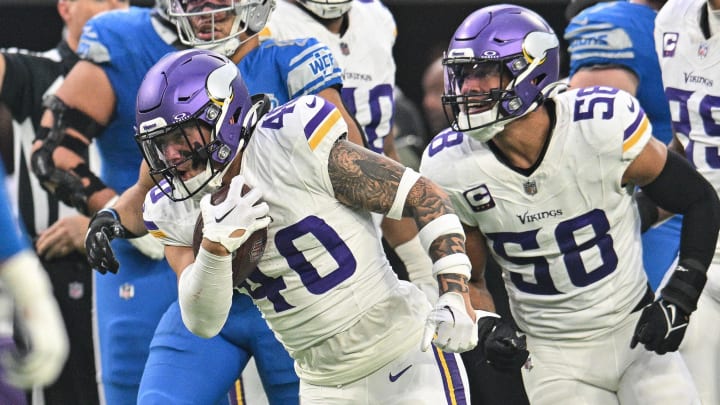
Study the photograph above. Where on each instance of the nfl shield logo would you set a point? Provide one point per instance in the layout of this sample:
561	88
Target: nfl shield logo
703	50
530	187
76	290
344	48
127	291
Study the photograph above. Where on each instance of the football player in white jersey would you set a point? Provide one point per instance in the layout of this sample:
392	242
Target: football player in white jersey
687	40
323	284
361	36
542	180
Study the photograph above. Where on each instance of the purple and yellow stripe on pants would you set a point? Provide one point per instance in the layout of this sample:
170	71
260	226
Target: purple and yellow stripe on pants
236	395
451	376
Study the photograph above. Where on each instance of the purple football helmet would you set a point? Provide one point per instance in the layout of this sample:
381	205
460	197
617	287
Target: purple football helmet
506	40
188	92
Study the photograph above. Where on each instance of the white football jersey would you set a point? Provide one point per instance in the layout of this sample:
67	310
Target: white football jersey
364	53
173	223
324	284
689	64
565	232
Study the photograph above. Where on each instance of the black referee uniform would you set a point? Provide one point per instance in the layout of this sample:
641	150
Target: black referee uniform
28	77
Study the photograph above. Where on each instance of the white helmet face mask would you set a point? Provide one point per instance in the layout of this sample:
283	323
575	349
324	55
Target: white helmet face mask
246	16
327	9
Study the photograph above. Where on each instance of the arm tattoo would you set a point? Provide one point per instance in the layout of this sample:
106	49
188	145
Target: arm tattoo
364	179
446	245
452	282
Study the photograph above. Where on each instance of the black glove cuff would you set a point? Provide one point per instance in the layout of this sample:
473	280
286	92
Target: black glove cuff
685	285
107	212
113	216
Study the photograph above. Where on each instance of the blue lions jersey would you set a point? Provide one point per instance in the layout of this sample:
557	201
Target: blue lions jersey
604	35
125	44
285	70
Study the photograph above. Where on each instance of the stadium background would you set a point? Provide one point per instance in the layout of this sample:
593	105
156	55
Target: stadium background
424	29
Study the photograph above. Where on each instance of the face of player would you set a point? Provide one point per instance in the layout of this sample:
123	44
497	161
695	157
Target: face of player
214	19
477	81
183	148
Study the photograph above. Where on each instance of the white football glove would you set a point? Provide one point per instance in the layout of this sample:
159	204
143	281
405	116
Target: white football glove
236	213
449	326
40	321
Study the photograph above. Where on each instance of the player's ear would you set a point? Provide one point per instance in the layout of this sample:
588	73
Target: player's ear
63	8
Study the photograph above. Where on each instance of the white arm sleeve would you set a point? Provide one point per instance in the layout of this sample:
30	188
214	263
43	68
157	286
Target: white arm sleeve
419	267
205	293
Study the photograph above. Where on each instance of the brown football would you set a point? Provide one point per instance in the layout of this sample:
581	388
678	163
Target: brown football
246	258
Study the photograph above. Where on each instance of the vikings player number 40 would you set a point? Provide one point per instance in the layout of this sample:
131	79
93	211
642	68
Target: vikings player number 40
270	288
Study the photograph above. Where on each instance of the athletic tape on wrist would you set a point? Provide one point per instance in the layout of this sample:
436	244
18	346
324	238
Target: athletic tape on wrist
111	202
213	264
457	263
442	225
409	178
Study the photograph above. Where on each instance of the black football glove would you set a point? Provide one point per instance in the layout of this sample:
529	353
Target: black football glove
663	323
104	226
661	327
502	346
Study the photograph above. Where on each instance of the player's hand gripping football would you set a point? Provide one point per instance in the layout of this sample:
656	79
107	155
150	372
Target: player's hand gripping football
502	346
450	325
104	226
232	221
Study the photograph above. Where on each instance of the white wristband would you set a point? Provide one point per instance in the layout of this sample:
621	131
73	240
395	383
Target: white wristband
457	263
111	202
442	225
205	293
408	180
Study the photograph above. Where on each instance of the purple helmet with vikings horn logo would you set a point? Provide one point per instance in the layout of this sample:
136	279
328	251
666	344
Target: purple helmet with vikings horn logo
190	92
511	41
